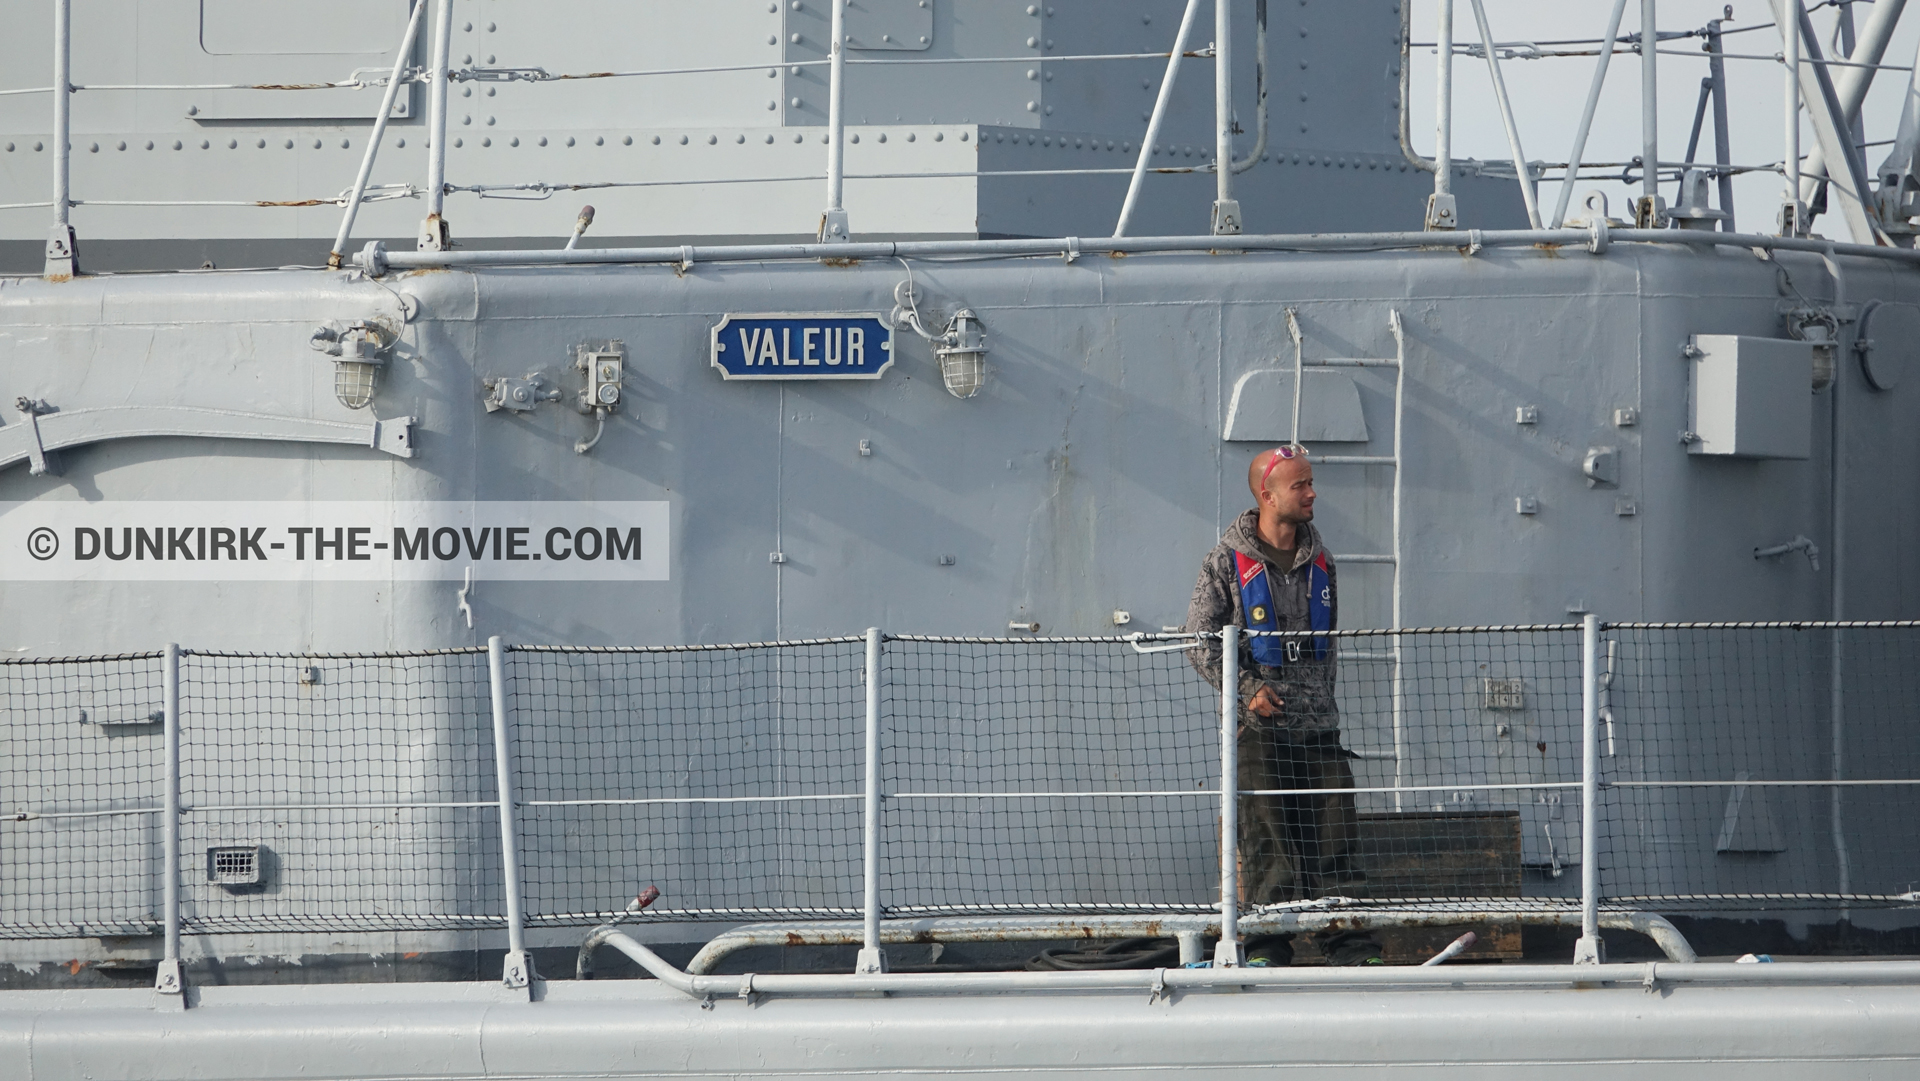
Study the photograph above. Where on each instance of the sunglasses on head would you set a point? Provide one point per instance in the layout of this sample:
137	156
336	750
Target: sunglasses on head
1286	452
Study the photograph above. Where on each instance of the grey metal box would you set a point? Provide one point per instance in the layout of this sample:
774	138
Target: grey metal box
1751	397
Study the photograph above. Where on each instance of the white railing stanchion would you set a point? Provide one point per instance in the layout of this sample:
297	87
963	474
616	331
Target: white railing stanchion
1226	209
517	970
1793	212
1520	167
62	261
872	959
1140	165
834	226
1586	114
1589	950
1649	216
433	231
1227	953
1441	211
170	980
379	132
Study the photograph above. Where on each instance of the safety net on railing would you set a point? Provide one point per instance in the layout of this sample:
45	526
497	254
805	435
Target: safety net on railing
1738	768
727	776
1760	767
80	795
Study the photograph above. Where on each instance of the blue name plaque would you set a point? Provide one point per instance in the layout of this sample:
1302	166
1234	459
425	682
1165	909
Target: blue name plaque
802	346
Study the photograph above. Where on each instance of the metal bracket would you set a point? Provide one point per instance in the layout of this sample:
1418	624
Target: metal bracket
517	972
63	254
30	411
518	395
1601	466
1159	988
1226	217
1589	951
170	980
466	594
834	227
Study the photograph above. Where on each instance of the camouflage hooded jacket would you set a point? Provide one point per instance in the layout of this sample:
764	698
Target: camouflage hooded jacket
1305	687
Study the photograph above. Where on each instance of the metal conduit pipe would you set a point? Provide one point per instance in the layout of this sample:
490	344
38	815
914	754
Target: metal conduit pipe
376	259
1850	84
1226	211
1052	928
1159	114
1259	88
400	58
1586	116
61	260
1157	981
1649	215
433	231
1520	167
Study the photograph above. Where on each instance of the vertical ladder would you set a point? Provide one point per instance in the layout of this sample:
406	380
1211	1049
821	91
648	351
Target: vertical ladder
1393	557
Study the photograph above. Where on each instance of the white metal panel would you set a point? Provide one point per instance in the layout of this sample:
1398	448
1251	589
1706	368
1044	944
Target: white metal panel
889	24
1751	397
1262	408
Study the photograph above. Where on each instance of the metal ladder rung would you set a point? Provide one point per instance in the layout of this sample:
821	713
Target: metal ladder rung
1354	362
1364	559
1355	459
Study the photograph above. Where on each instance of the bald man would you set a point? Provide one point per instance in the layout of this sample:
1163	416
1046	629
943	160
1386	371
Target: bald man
1270	573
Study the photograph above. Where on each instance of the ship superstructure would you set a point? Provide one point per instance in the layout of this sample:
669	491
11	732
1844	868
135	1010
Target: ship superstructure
383	617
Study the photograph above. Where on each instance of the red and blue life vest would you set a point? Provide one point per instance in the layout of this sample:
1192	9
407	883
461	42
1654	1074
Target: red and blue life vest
1256	602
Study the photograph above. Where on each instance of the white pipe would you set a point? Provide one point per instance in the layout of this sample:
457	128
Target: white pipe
1851	84
1443	105
62	109
1649	106
1302	917
1259	88
1299	374
61	262
1589	951
1586	114
1836	700
1634	977
376	259
1399	488
1159	114
1223	111
836	127
1790	155
871	959
379	133
434	232
503	790
1226	954
170	807
1527	193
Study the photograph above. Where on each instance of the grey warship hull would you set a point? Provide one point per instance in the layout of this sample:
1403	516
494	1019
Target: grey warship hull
400	619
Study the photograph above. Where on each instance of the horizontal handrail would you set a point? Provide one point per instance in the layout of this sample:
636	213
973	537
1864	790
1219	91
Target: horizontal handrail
377	259
1648	975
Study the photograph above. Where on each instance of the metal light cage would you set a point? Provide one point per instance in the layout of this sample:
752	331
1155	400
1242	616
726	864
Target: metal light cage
354	382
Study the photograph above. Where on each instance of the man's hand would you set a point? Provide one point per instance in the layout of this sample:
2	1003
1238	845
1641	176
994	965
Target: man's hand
1265	703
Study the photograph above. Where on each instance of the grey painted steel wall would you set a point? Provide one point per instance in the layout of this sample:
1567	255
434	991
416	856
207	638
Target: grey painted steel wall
1089	475
644	1030
1335	159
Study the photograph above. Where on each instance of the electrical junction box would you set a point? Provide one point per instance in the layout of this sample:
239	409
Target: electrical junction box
1750	397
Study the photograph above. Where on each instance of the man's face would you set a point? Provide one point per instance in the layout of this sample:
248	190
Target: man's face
1289	491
